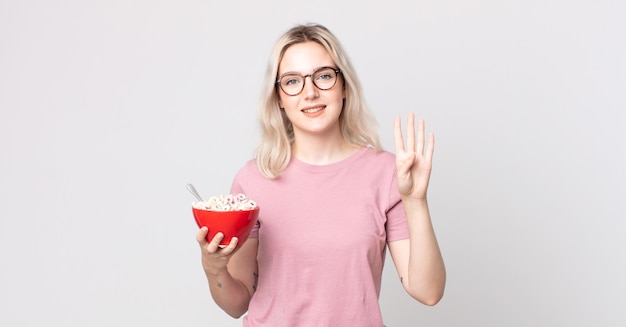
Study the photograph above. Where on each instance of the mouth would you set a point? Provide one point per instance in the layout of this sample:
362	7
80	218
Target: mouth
313	110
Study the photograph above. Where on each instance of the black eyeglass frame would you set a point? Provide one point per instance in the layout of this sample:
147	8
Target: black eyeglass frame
337	72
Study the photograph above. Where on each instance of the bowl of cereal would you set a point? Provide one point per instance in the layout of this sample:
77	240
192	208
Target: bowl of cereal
232	215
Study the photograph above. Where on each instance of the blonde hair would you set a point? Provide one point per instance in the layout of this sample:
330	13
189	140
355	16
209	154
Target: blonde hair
357	123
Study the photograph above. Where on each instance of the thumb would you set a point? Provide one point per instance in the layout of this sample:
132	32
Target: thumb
405	166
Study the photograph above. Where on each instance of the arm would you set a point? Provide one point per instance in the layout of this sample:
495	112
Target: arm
418	260
231	272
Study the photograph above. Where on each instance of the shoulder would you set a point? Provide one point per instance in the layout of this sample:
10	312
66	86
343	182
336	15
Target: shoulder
372	164
248	169
247	177
379	157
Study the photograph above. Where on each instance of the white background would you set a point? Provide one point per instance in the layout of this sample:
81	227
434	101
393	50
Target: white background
108	108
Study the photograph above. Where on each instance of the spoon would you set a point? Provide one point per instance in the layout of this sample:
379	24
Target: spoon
193	191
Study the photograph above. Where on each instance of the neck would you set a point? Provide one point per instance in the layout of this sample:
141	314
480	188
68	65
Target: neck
322	150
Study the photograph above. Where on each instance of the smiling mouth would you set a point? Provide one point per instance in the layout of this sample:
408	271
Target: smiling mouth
312	110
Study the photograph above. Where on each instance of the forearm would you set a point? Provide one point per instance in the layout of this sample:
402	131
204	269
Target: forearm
426	270
229	293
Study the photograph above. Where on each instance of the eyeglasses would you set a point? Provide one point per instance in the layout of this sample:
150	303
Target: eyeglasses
324	78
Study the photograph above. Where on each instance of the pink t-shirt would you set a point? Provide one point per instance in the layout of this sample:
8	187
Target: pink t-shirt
322	232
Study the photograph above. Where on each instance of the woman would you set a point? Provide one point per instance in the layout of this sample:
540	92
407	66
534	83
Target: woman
331	201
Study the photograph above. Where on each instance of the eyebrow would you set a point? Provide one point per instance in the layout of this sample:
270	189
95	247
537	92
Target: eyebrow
299	73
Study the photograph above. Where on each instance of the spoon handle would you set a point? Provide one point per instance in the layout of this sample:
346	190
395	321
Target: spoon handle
193	191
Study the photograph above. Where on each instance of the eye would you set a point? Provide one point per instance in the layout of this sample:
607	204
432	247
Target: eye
324	75
291	80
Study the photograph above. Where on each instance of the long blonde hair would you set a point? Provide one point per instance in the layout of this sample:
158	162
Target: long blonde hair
357	123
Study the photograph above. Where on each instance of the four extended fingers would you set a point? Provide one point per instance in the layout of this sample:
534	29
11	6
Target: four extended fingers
412	144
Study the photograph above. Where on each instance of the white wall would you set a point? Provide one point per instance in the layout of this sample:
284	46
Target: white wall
108	108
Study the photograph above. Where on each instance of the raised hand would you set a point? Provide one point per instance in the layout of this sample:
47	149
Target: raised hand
413	160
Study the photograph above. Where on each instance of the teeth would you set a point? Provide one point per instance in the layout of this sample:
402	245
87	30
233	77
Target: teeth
310	111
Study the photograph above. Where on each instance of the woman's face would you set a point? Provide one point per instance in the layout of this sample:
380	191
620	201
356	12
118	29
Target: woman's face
312	111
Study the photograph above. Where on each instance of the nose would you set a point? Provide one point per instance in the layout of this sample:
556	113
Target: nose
309	89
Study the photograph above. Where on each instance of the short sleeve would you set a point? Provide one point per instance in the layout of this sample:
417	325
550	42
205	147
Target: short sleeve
397	227
238	187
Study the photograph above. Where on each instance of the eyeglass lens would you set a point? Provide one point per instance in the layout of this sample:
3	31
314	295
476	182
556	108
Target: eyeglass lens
323	79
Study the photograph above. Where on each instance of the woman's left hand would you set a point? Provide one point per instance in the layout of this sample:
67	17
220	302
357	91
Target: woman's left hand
413	161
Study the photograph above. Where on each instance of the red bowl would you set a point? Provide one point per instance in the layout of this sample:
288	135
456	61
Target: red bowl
230	223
